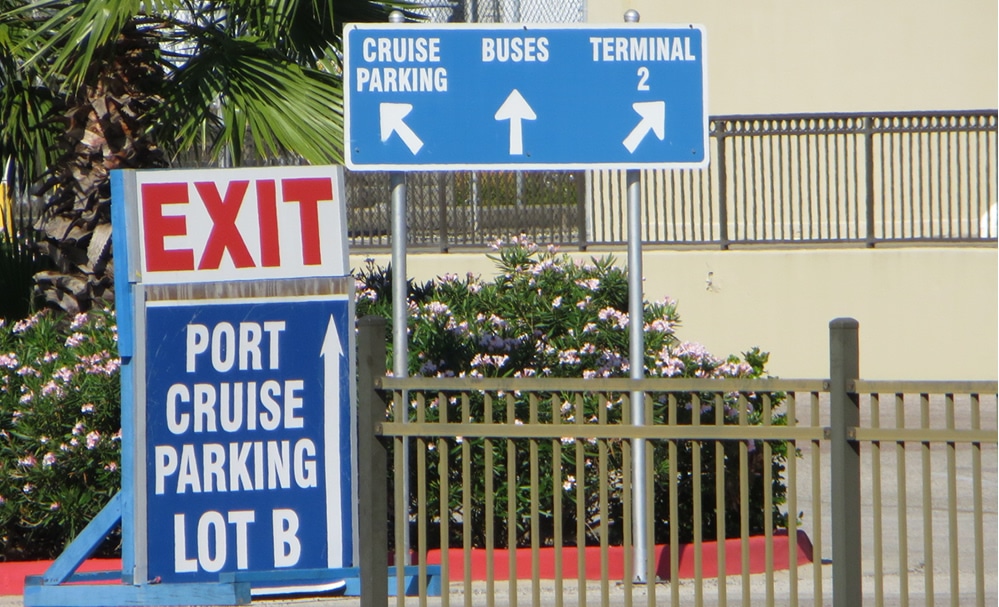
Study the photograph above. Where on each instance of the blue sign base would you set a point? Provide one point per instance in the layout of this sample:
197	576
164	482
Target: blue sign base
62	586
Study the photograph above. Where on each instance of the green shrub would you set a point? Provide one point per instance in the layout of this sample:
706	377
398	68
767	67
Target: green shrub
546	315
18	264
542	315
59	429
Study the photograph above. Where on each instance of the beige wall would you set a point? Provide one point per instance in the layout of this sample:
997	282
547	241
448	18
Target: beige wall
924	313
782	56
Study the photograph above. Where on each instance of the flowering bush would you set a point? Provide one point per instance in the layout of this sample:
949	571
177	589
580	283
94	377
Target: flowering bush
59	429
545	315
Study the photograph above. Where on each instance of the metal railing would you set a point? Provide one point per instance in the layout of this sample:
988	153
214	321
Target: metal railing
524	483
814	179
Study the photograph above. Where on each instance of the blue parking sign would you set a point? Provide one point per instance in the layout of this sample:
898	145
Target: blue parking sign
524	96
248	437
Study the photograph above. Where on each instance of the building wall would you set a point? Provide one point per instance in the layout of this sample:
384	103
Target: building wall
788	56
924	313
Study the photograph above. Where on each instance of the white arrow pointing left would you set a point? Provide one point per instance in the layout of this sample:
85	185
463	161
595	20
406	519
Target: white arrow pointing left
515	109
331	352
391	120
653	115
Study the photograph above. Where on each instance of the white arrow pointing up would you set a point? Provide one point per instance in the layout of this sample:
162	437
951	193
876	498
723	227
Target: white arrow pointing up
331	351
515	109
391	119
653	115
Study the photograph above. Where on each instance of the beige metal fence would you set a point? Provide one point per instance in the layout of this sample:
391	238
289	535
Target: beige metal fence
801	179
519	488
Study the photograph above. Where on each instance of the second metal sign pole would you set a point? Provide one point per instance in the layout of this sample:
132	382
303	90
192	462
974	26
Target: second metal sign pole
636	315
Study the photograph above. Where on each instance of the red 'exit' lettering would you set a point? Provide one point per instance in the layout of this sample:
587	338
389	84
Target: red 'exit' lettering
224	234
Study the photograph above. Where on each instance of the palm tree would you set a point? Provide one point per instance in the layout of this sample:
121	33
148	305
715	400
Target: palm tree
138	83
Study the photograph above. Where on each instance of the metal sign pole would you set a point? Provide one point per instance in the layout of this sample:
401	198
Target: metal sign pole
636	315
400	304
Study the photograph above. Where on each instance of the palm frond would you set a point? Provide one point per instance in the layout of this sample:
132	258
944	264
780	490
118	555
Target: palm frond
242	86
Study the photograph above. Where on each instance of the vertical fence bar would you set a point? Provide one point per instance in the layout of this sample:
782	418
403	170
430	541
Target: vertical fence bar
372	463
444	501
924	424
604	489
723	238
535	492
817	502
844	368
580	507
466	497
422	512
400	411
768	503
511	502
582	191
626	507
650	482
695	467
868	130
720	503
744	500
903	530
792	501
876	495
976	482
557	490
674	510
490	472
952	501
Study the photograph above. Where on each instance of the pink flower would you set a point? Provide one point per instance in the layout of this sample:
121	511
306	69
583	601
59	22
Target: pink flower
93	438
87	408
49	459
27	461
28	488
54	506
111	466
75	339
23	325
79	320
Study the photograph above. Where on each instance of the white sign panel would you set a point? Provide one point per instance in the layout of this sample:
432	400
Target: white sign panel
240	224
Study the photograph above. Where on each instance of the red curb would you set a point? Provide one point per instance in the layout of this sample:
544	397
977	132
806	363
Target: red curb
615	560
12	574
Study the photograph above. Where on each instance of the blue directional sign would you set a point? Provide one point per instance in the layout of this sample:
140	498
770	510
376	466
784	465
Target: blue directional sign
421	97
248	437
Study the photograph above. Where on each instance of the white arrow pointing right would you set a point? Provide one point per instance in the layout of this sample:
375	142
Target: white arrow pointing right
653	115
391	120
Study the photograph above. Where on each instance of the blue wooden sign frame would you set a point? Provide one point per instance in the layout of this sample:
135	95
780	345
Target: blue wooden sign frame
139	582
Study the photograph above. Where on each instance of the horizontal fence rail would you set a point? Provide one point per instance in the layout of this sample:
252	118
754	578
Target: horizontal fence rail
519	489
816	179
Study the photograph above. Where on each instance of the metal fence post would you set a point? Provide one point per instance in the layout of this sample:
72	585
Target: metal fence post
844	368
372	464
719	138
868	129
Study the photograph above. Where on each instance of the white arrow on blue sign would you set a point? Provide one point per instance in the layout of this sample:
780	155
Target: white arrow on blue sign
491	96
